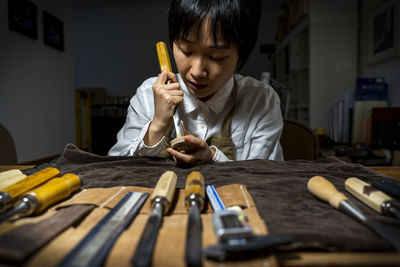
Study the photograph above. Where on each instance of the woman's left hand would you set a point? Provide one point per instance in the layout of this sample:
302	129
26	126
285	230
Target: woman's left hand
200	152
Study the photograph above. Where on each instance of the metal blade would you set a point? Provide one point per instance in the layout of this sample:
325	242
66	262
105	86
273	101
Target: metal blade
193	253
177	124
94	248
144	250
375	226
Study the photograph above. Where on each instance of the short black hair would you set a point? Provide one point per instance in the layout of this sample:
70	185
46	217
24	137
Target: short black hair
238	21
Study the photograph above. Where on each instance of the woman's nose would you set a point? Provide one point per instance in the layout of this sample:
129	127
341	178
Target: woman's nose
198	69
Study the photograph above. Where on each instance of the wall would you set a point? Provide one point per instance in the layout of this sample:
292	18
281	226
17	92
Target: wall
116	43
36	85
388	69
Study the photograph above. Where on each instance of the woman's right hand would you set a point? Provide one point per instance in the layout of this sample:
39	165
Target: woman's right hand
167	97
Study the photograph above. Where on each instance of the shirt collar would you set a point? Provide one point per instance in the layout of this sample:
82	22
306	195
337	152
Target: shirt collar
216	103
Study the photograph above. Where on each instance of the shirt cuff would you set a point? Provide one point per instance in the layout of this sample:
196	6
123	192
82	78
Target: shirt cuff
145	150
219	155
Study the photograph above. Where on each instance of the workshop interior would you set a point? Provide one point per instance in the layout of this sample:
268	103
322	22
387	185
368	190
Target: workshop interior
68	71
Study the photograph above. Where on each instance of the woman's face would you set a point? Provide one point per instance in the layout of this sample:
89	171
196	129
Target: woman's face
205	67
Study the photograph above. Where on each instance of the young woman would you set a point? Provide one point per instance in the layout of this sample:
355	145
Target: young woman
227	116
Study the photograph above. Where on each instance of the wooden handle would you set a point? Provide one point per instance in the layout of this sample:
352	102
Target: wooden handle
31	181
165	187
366	193
163	57
195	184
55	190
10	177
325	190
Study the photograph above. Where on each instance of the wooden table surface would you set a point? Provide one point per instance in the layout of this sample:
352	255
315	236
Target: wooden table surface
292	259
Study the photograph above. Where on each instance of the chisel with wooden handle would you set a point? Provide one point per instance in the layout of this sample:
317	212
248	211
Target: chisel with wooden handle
194	203
326	191
375	199
10	177
160	202
9	194
42	197
165	64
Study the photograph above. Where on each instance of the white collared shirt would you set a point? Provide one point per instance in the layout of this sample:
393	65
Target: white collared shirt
256	123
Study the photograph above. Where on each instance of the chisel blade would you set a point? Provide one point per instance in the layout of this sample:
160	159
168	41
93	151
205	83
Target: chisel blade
94	248
193	253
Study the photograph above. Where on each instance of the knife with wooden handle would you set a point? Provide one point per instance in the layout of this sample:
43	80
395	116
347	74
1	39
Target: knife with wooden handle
375	199
326	191
160	201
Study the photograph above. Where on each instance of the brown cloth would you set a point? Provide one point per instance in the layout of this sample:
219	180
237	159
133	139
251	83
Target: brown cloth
279	190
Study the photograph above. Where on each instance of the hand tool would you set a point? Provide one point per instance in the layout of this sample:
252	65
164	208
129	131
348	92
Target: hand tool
392	188
95	246
10	177
235	237
42	197
375	199
18	244
165	64
160	202
11	193
194	202
326	191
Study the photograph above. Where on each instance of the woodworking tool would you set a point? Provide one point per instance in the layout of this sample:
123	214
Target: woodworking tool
326	191
12	192
194	203
160	202
234	235
392	188
42	197
21	242
95	246
165	64
10	177
375	199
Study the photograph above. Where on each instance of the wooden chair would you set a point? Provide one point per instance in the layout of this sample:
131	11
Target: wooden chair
8	154
298	141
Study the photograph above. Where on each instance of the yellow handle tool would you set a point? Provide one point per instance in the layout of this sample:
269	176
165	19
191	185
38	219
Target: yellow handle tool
42	197
10	177
194	190
163	57
9	194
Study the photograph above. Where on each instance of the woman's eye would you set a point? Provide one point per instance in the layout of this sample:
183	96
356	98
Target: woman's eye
218	58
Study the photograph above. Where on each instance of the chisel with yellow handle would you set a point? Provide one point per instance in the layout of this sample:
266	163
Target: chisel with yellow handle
42	197
326	191
11	193
375	199
165	64
160	201
10	177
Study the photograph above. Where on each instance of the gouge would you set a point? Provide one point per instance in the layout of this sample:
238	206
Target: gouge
160	202
11	193
165	64
326	191
95	246
194	203
375	199
42	197
10	177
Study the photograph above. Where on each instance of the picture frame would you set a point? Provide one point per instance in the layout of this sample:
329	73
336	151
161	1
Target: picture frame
53	31
383	32
22	18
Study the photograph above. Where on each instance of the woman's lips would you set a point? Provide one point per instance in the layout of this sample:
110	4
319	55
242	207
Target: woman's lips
197	86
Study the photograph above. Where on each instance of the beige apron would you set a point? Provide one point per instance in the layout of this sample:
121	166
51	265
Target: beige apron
224	142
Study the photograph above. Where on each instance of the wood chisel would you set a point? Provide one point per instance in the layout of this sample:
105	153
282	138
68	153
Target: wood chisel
42	197
326	191
160	202
194	203
13	192
392	188
165	64
235	237
375	199
10	177
95	246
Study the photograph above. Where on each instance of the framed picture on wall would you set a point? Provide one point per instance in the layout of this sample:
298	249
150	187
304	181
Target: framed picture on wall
383	32
53	31
22	18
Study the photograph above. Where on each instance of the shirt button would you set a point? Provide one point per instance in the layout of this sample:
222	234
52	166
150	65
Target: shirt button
202	125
